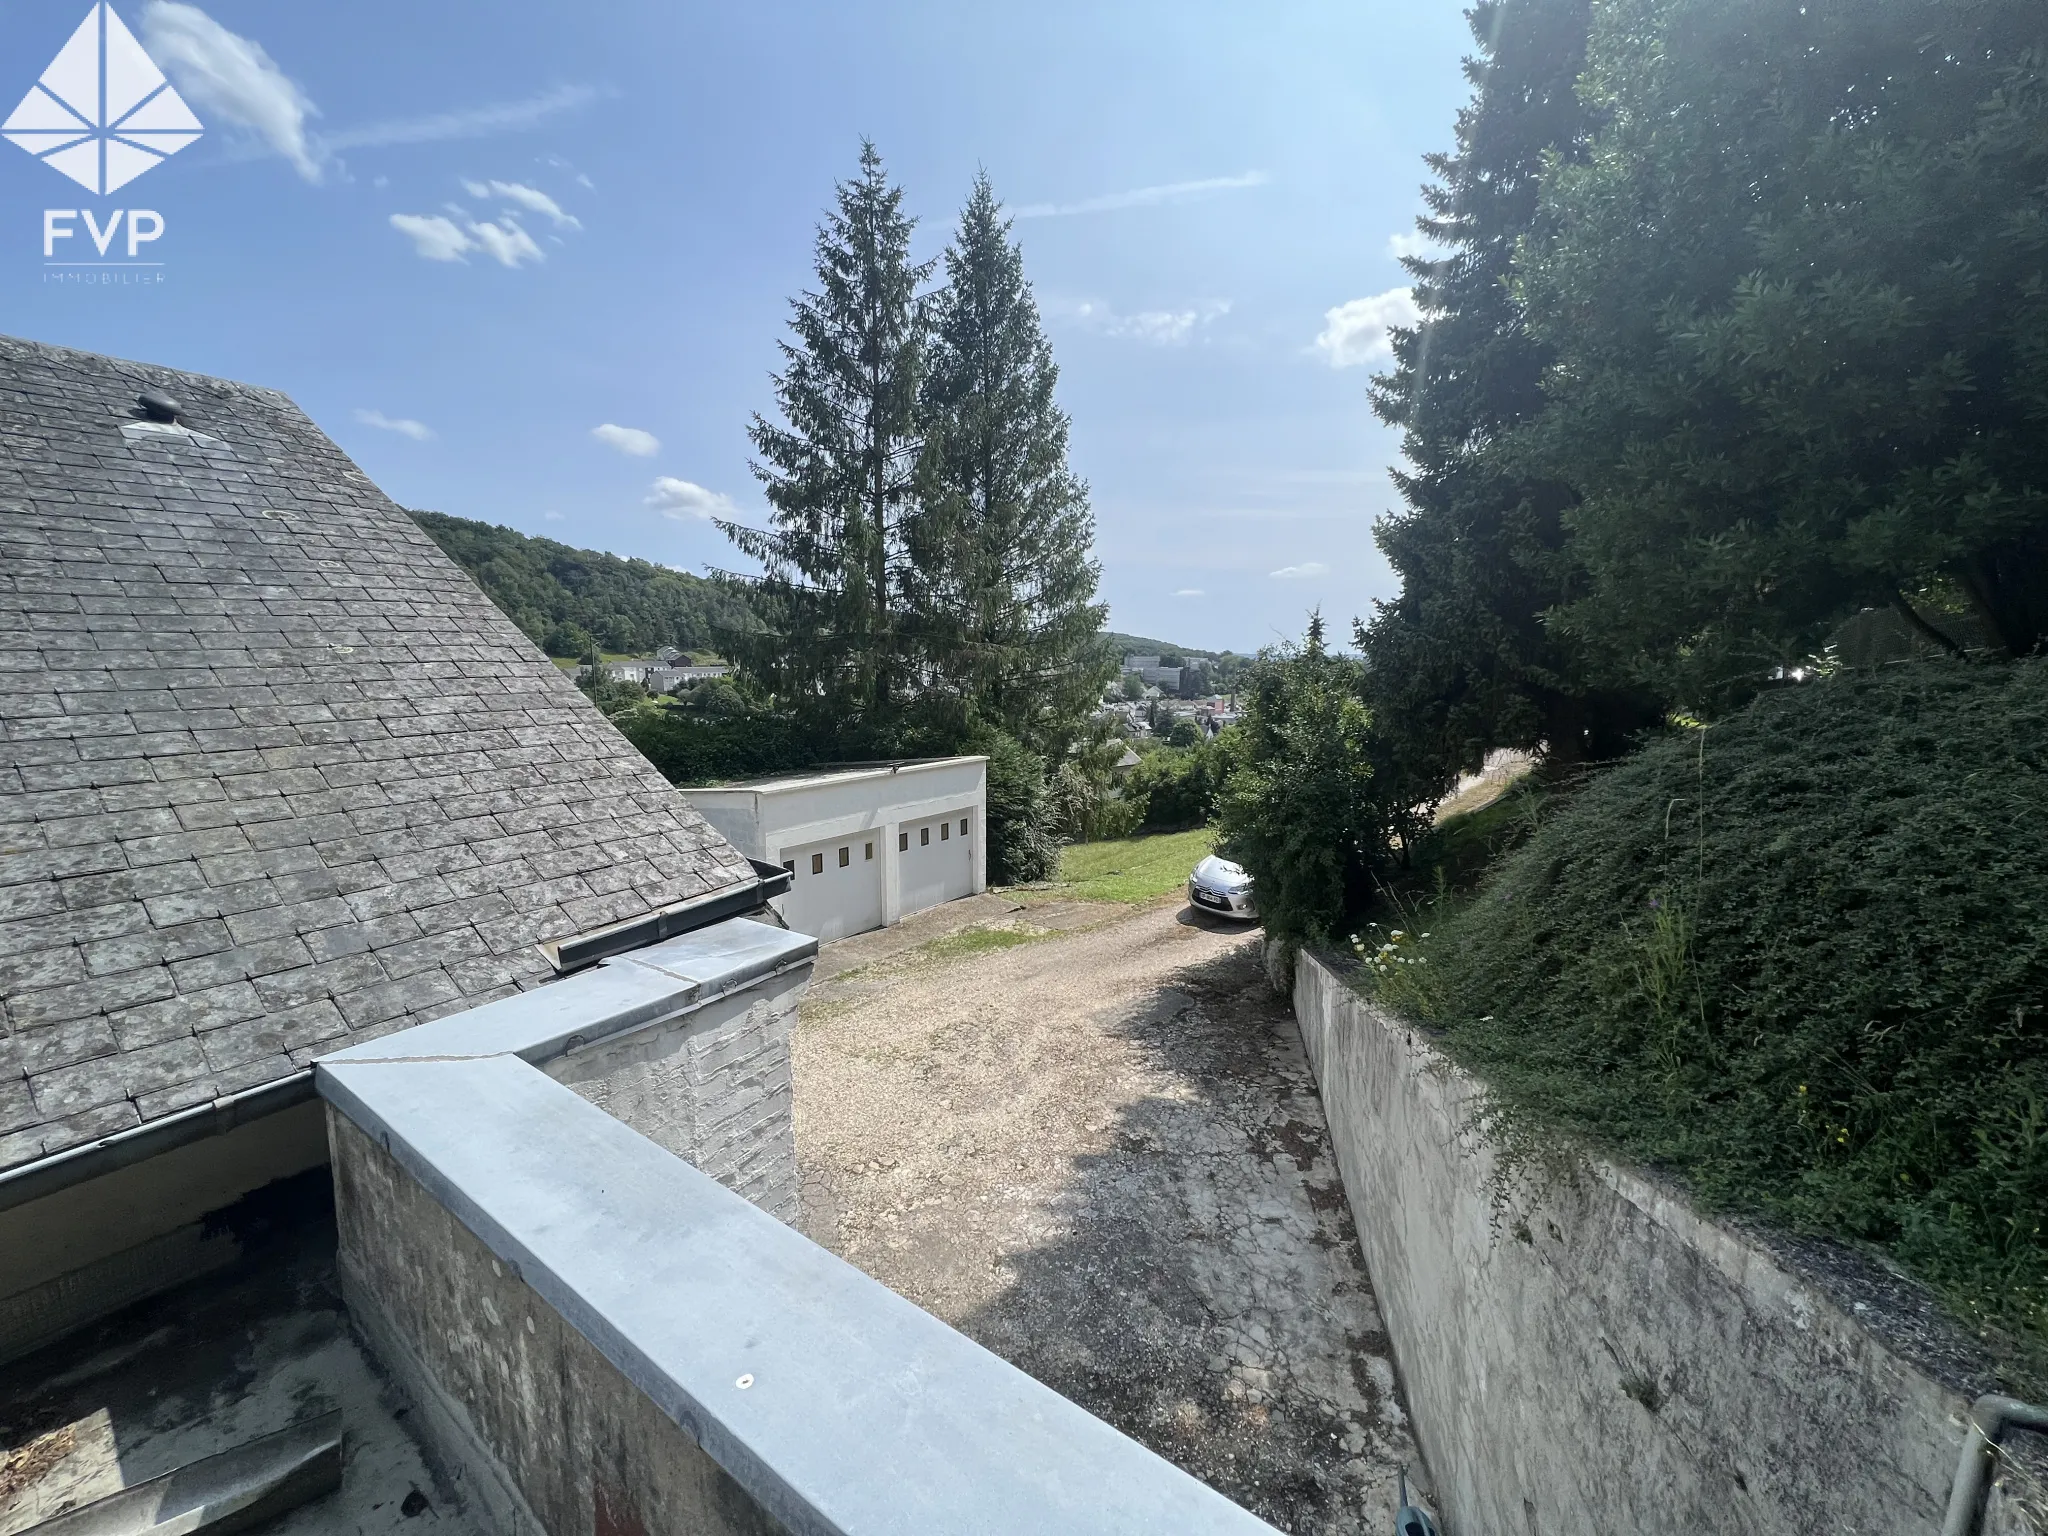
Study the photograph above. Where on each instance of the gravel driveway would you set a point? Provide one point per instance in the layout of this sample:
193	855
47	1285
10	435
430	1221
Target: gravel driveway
1100	1154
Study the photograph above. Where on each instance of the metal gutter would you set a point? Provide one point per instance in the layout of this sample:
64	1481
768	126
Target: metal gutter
46	1176
568	955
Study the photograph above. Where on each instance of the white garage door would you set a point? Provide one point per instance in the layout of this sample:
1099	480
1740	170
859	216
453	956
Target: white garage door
936	861
837	886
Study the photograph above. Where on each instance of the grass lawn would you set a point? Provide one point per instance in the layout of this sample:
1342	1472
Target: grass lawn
1132	869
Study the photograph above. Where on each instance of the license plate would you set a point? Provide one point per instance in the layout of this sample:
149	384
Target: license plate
1211	901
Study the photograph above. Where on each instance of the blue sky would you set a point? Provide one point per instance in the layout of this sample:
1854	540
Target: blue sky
464	237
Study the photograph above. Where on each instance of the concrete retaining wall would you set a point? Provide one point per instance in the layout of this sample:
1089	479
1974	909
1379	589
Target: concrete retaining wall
1589	1355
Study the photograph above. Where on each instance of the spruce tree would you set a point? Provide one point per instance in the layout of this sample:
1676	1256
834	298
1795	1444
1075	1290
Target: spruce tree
1004	578
827	635
1462	660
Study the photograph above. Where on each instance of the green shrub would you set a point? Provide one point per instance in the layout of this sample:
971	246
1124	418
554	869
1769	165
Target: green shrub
1179	787
1300	809
1801	960
1021	844
693	748
1087	807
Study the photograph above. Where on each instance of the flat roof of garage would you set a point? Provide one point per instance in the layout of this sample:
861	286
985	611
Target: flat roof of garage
836	772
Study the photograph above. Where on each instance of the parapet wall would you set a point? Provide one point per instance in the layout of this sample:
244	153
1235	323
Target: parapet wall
605	1340
535	1427
712	1086
1587	1354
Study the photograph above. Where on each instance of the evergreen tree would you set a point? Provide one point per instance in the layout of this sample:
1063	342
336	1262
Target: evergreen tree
827	635
1003	579
1798	291
1462	660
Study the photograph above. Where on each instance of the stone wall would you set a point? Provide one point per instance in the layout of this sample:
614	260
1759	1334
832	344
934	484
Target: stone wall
712	1086
1581	1352
532	1425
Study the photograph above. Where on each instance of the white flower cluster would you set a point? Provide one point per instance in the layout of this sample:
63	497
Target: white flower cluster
1393	950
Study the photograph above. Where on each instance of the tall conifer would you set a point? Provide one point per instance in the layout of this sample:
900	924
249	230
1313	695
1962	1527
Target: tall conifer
1004	577
1462	660
828	635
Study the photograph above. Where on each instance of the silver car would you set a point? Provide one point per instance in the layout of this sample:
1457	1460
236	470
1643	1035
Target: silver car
1219	886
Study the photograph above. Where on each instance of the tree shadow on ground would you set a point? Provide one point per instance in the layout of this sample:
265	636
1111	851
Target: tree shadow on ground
1204	1290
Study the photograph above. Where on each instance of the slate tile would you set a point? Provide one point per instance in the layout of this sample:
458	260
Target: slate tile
91	1084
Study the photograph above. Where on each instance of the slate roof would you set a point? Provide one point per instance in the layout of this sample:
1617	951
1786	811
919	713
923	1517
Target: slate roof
274	773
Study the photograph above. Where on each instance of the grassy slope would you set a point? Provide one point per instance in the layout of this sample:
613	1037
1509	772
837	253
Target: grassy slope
1799	960
1130	869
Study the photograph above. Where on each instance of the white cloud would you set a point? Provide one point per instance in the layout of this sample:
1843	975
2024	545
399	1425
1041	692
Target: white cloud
437	238
1413	243
1190	592
467	123
1303	572
404	426
532	199
628	440
1157	327
1144	197
552	517
1356	333
227	76
506	241
682	500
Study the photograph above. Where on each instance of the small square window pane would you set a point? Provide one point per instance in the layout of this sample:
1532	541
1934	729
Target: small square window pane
902	842
817	863
789	866
963	826
945	830
870	853
924	836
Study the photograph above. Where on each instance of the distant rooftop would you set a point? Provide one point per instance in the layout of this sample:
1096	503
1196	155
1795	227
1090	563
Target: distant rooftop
274	773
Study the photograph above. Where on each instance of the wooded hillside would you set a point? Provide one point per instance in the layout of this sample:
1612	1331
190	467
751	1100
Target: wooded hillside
567	598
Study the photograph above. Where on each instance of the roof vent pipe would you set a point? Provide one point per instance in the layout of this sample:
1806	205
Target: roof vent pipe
157	405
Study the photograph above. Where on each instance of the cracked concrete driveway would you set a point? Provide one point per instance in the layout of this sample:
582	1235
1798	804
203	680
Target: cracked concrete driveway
1098	1151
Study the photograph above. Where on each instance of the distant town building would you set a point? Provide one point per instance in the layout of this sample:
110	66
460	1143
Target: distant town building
659	676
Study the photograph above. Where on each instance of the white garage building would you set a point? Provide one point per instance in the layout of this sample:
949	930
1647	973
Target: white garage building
865	845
